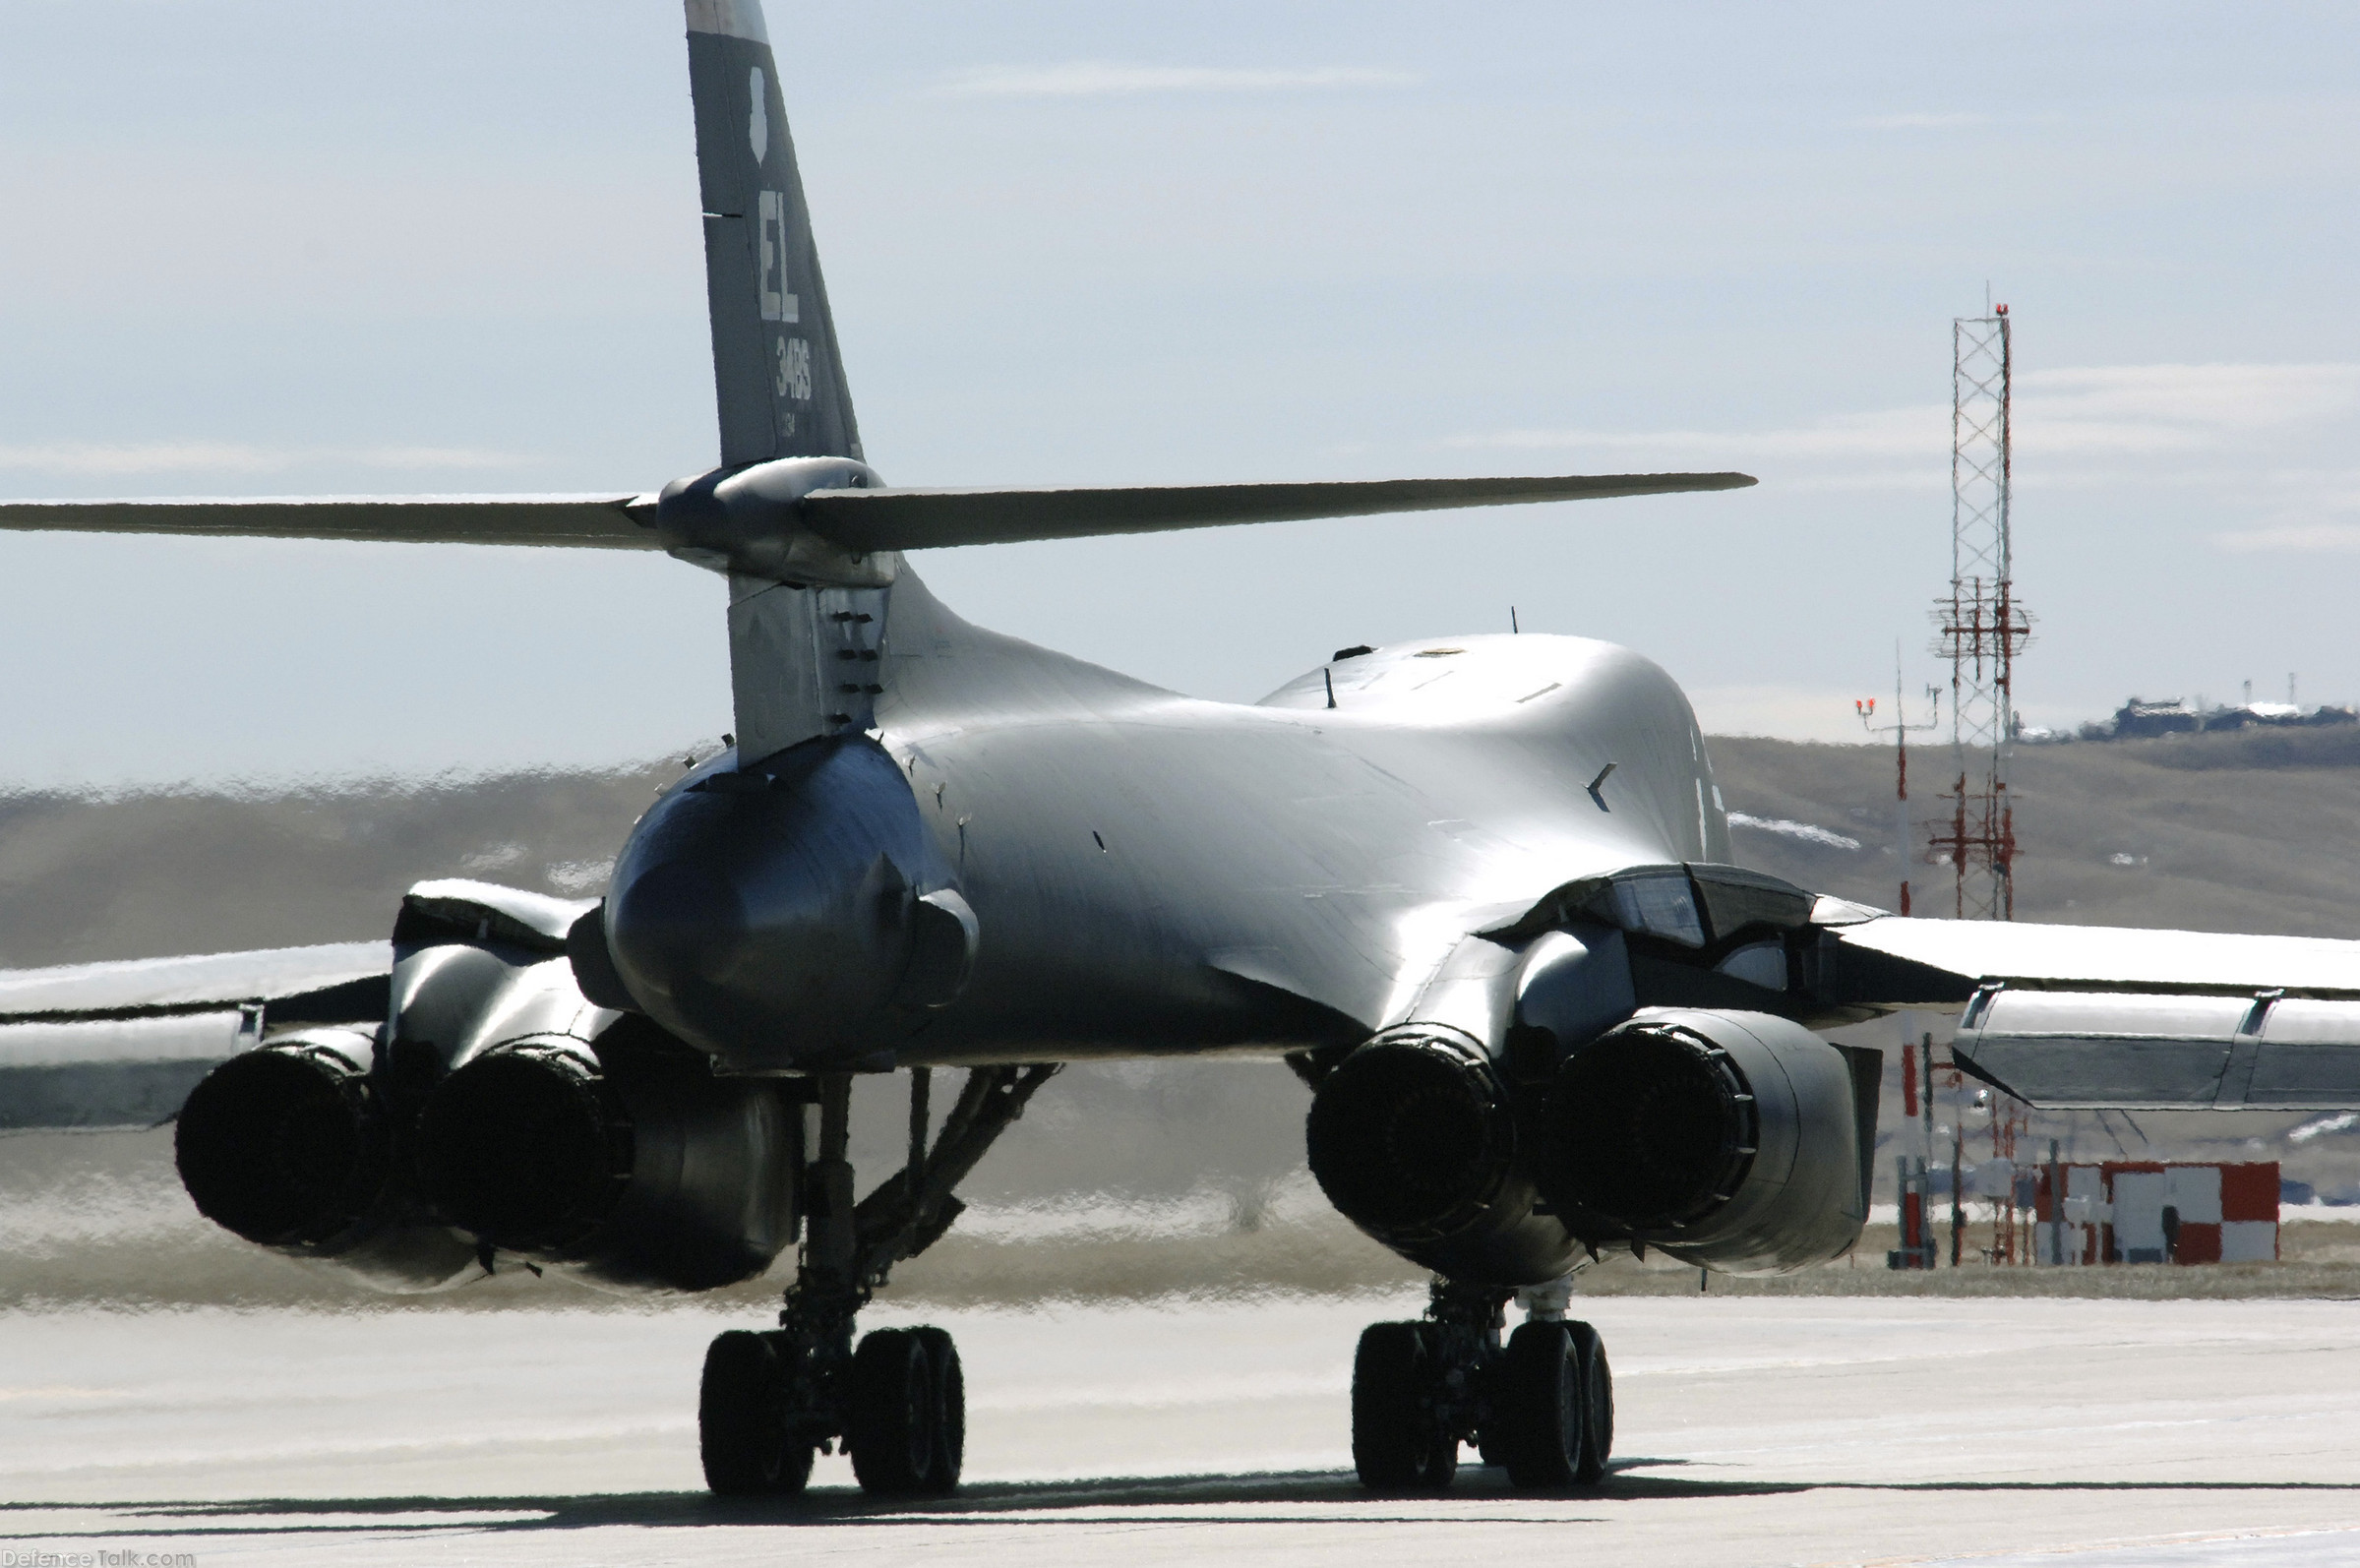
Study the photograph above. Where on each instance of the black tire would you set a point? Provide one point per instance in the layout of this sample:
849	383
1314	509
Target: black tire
950	1406
1398	1445
1491	1440
892	1413
1541	1403
1598	1404
739	1436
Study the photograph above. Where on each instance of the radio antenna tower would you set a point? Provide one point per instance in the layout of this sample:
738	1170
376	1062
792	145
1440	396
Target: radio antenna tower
1900	728
1980	627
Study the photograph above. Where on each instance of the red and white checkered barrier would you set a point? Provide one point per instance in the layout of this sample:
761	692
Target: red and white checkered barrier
2148	1211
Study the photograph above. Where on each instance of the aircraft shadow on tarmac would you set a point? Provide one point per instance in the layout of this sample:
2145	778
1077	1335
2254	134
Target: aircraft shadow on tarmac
1328	1495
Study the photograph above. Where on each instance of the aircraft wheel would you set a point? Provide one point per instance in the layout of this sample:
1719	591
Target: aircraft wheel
1398	1441
1598	1404
1542	1407
745	1451
950	1405
894	1416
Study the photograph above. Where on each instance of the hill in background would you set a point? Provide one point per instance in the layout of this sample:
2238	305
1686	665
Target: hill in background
2258	831
2251	831
136	876
2248	831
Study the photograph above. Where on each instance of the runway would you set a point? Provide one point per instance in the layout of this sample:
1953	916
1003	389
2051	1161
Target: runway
1755	1430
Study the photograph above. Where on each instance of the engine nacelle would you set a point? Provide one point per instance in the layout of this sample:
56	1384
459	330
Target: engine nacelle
627	1161
292	1146
1414	1140
1730	1140
502	1110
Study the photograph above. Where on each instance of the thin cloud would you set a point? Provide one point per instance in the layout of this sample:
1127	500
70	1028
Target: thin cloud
1888	433
2068	423
165	457
1920	122
2148	407
2310	538
1103	77
92	459
429	458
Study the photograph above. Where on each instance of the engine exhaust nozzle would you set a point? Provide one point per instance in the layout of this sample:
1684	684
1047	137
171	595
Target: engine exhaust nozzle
287	1146
1410	1138
1654	1128
1731	1141
527	1147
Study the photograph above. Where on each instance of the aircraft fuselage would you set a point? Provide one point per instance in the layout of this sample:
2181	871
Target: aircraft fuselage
1152	874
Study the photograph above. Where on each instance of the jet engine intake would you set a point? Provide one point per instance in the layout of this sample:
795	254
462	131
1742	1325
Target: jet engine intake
629	1162
1413	1140
1728	1140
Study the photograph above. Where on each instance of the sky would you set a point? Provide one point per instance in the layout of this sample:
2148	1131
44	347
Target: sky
277	247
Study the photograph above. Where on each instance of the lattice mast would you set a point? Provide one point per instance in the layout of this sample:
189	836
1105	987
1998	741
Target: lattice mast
1980	627
1900	728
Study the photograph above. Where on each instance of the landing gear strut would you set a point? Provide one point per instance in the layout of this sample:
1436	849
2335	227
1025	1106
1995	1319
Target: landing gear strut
1542	1405
897	1405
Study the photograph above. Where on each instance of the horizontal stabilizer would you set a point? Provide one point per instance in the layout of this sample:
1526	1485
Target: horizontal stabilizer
597	522
919	519
860	521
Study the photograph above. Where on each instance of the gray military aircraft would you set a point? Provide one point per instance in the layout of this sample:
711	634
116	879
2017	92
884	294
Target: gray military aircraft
1476	889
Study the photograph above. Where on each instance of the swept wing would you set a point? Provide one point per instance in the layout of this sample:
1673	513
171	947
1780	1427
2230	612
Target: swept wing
121	1044
2094	1016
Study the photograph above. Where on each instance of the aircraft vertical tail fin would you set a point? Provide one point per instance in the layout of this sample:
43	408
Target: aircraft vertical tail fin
776	374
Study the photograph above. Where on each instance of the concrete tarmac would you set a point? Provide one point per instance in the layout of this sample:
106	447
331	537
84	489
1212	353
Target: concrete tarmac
1752	1431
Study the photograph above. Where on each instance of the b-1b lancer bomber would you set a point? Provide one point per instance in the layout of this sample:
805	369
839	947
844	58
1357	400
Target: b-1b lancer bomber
1476	890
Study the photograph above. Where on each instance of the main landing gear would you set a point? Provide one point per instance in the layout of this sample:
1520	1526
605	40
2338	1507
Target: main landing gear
898	1404
1542	1405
